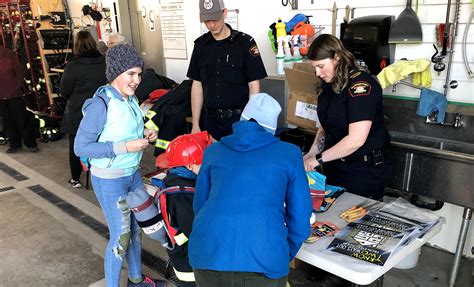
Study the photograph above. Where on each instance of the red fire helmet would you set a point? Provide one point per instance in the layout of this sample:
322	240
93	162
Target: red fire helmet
184	150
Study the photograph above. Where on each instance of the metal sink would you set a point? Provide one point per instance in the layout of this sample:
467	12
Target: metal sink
429	144
436	168
457	147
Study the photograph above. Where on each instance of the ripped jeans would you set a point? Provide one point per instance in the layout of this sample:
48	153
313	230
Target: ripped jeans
125	234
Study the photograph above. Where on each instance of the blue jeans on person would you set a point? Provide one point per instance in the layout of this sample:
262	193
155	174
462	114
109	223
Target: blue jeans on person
125	234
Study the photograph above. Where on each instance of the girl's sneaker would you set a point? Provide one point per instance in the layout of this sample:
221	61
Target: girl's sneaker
75	183
148	282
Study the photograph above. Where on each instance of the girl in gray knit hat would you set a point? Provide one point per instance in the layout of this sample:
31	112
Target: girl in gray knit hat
112	137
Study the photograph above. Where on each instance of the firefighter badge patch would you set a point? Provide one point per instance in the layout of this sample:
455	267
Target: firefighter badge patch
254	51
360	89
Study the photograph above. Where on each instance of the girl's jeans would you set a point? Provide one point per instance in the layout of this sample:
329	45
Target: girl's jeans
125	234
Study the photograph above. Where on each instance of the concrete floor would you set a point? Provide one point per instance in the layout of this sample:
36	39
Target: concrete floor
54	235
51	233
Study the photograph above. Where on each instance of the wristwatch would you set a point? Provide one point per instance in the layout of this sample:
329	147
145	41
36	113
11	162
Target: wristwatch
319	159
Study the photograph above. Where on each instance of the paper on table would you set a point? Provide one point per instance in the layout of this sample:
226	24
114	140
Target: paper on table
373	238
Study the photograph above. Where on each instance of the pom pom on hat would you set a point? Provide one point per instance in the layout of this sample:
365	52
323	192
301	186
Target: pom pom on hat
119	59
264	109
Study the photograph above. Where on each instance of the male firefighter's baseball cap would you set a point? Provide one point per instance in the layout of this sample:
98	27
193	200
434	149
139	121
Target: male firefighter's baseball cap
211	10
184	150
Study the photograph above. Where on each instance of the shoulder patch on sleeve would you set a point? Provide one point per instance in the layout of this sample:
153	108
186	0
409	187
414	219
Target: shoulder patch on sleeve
254	50
360	88
355	74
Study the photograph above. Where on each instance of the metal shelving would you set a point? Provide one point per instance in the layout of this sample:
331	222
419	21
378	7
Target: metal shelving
18	32
58	56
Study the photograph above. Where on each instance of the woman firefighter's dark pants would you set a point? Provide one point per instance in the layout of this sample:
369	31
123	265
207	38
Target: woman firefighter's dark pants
361	178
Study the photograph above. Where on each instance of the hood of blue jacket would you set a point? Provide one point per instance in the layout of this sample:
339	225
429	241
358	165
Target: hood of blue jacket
247	136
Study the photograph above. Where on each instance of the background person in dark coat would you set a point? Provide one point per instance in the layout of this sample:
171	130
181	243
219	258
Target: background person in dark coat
12	106
82	76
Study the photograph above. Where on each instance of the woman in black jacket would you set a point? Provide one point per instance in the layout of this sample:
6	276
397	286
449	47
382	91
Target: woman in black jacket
82	76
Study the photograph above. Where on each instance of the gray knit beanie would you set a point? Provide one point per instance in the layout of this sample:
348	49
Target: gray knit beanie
119	59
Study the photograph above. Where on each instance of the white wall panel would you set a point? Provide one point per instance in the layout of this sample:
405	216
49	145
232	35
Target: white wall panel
256	16
255	22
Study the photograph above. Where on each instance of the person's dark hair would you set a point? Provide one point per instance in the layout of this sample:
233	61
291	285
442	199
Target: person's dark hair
327	46
84	42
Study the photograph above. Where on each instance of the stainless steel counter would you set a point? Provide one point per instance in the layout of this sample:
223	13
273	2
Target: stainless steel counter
432	167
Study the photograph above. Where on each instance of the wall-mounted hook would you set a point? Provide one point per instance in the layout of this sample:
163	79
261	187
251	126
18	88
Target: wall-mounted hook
151	20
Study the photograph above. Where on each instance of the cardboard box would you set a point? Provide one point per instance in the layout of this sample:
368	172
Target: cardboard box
302	98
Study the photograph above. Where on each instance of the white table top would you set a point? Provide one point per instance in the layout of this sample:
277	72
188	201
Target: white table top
352	269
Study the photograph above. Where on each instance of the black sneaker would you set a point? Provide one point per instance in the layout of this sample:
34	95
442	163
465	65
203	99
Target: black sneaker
33	149
148	282
14	149
75	183
3	140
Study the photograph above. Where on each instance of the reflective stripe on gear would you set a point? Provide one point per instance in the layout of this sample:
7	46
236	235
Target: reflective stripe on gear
161	143
184	276
41	121
150	124
150	114
180	239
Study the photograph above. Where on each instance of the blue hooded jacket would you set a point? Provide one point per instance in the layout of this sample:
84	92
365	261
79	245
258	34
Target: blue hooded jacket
252	204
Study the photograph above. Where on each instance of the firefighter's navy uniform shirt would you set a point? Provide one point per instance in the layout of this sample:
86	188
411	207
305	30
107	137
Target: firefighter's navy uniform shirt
361	99
225	68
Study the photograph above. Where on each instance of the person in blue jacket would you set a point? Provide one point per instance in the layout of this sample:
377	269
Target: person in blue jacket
112	135
252	204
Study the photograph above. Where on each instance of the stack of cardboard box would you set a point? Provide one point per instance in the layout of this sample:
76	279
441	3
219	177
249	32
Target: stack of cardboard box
302	98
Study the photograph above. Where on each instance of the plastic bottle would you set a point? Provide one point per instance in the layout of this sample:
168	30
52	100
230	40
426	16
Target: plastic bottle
280	57
307	34
286	48
280	29
296	50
